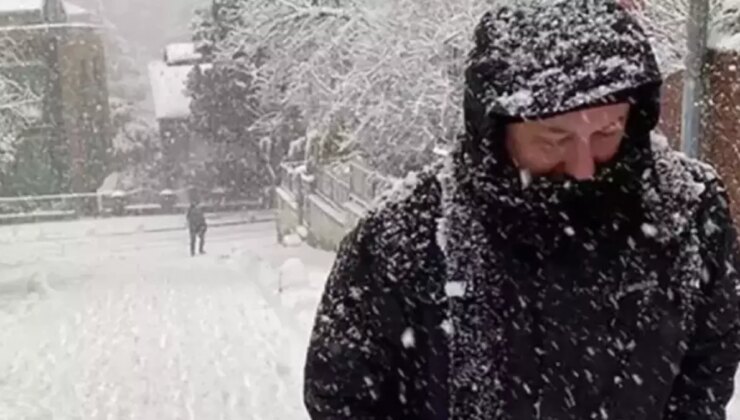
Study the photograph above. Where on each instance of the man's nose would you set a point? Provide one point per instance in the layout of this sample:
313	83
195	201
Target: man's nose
580	161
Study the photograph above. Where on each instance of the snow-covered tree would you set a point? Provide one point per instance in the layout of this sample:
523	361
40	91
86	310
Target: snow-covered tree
137	150
666	21
381	78
223	111
214	22
19	102
135	154
126	79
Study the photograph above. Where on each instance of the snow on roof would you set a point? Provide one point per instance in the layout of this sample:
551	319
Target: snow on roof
67	25
725	34
181	53
75	12
8	6
169	84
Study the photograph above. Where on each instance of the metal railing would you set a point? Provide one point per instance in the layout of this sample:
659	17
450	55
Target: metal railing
110	203
331	187
365	184
86	203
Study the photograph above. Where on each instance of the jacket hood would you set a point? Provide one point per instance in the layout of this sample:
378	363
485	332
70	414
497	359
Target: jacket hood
549	57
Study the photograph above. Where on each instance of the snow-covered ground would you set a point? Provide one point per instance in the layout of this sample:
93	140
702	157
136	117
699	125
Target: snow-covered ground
112	319
101	321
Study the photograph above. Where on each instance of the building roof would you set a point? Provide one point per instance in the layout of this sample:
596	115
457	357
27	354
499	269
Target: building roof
76	13
24	13
181	53
20	6
169	85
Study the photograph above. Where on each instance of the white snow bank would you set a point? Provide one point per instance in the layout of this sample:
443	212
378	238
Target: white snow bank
302	231
292	240
292	272
24	282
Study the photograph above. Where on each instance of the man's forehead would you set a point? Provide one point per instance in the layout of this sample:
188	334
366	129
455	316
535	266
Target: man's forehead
600	114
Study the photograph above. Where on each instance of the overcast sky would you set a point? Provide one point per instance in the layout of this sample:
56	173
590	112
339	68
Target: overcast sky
148	25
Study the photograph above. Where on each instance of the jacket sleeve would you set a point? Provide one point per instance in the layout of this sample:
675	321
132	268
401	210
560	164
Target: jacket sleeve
705	382
348	372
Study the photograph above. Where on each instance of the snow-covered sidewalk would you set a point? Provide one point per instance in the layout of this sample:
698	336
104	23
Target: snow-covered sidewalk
292	279
131	327
129	225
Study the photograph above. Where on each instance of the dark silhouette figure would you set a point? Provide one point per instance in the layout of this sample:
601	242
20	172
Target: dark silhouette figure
197	227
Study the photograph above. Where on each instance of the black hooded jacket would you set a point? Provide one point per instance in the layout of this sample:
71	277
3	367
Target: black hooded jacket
471	295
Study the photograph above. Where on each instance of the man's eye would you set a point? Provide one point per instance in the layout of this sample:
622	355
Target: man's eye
552	143
607	133
546	144
611	128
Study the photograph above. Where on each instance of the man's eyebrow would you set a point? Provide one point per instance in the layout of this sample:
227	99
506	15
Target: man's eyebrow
620	120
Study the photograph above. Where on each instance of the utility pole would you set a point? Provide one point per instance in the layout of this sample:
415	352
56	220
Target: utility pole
100	12
696	82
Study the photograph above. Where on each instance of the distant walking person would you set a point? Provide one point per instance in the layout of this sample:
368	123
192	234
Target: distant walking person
197	226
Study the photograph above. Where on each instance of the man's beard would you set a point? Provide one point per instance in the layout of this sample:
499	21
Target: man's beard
542	211
545	211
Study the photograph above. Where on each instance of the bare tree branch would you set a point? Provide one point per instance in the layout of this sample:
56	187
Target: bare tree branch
388	74
17	98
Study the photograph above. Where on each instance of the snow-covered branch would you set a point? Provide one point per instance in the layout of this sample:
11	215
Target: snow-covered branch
385	77
19	103
666	20
380	77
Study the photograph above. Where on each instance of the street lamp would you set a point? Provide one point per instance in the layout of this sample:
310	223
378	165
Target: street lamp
695	78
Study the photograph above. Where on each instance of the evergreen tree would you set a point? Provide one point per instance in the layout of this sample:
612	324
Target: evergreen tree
223	110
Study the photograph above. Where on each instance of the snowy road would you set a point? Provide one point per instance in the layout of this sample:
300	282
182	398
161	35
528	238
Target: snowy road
127	325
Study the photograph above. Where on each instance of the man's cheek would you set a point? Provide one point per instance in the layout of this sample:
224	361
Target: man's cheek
606	153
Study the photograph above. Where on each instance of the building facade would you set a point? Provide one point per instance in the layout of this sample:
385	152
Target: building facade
185	155
58	54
